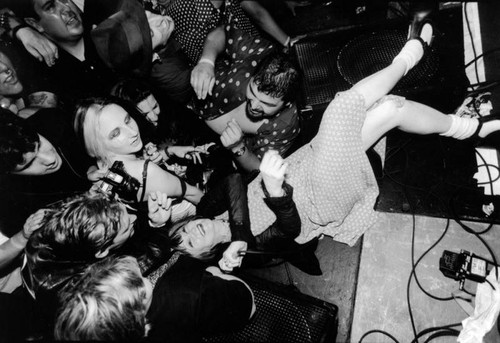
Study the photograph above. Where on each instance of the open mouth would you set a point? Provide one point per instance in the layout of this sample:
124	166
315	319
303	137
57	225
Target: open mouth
72	21
11	79
253	113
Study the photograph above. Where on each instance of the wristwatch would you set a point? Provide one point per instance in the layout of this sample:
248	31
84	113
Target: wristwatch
240	151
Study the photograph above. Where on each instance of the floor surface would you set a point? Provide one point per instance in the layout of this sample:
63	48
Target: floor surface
381	297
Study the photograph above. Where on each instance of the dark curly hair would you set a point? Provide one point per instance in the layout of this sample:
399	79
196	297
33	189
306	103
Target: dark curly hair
16	139
277	76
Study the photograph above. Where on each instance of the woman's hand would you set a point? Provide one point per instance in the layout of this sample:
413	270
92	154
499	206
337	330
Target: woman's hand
33	223
94	173
273	169
233	256
159	208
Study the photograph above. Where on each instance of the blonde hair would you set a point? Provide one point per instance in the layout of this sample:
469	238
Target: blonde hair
107	302
87	126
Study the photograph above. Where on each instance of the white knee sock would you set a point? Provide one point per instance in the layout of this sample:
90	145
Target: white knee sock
461	127
411	54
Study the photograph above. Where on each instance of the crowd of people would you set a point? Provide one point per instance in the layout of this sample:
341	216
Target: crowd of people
145	148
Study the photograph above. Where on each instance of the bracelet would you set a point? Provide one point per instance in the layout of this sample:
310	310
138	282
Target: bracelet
206	60
17	28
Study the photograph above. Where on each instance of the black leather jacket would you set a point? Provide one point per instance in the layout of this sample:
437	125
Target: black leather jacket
231	195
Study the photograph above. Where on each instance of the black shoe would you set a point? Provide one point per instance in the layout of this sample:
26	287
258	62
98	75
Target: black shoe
490	141
422	14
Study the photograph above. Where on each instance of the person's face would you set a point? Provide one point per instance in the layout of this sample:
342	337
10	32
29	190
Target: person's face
119	132
198	236
161	27
126	229
9	83
150	108
261	105
42	161
61	20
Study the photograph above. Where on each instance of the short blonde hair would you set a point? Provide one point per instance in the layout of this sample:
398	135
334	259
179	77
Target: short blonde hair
87	126
107	302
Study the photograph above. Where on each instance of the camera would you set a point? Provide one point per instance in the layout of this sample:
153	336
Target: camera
117	181
464	265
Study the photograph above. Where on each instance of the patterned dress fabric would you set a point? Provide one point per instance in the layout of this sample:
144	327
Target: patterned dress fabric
195	19
334	186
232	73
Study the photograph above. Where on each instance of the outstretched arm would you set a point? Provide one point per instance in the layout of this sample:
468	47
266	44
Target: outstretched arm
279	198
165	182
203	74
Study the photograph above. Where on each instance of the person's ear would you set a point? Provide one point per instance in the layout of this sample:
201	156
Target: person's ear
102	253
34	24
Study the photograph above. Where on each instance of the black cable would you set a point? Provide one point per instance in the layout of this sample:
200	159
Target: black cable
435	328
377	331
488	166
475	59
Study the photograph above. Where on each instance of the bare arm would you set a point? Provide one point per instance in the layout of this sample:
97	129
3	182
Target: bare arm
165	182
265	21
34	42
203	74
10	249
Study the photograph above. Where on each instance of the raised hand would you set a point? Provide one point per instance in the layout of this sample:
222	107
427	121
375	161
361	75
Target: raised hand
273	169
233	256
232	136
159	208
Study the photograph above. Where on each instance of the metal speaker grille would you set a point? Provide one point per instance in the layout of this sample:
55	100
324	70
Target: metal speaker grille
283	318
321	79
372	52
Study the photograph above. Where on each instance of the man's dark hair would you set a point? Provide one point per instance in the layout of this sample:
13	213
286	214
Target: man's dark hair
277	76
131	90
26	9
16	139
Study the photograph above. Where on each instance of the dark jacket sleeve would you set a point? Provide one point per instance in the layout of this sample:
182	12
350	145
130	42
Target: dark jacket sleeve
230	195
287	225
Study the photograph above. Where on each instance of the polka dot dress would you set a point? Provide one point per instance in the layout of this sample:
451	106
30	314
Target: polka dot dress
194	19
334	186
232	73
